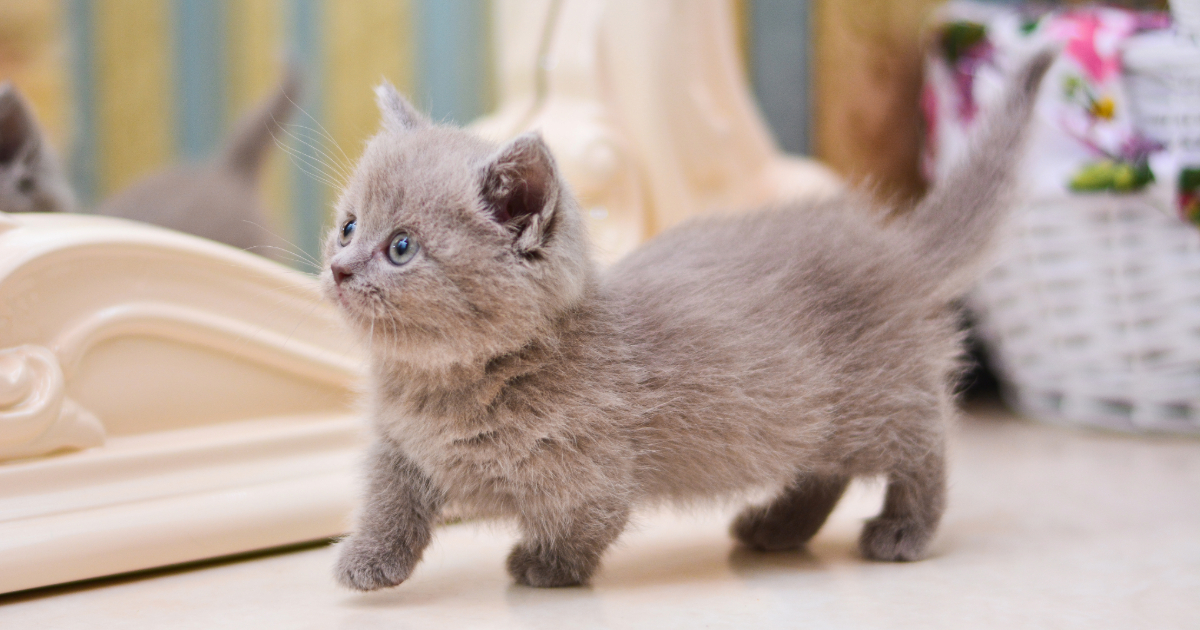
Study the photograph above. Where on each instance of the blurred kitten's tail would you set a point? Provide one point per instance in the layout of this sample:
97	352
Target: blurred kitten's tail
256	132
958	220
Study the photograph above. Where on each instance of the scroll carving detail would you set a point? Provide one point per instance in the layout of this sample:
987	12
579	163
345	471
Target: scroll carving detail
36	417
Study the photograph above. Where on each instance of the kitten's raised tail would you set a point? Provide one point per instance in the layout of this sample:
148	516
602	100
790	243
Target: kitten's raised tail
958	220
256	132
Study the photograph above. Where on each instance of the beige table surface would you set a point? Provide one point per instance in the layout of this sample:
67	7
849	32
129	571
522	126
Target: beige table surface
1047	528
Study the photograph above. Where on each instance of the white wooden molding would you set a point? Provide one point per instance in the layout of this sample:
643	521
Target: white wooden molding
162	399
36	417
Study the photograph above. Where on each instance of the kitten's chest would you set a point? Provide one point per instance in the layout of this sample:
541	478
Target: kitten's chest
465	458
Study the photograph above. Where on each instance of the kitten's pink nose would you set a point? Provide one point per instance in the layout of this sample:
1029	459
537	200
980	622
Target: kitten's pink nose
340	272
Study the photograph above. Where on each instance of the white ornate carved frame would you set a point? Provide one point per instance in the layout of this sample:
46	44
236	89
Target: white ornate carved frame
187	400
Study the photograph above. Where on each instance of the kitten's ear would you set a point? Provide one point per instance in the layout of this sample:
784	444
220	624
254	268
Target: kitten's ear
18	129
398	114
520	188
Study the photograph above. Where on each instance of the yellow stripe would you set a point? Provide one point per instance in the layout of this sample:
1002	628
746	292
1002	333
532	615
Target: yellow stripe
255	37
135	108
366	41
34	60
744	26
254	32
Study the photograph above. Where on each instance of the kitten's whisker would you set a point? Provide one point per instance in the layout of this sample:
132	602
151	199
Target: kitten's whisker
283	300
320	156
371	339
303	319
341	168
290	256
323	130
312	160
328	161
301	161
301	164
345	164
392	325
316	176
297	251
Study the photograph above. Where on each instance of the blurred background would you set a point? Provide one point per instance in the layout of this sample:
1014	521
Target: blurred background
126	87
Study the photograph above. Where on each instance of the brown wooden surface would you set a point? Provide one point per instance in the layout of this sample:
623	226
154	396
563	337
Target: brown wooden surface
868	81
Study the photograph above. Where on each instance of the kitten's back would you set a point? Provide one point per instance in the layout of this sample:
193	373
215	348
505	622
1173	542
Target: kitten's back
831	261
774	338
811	330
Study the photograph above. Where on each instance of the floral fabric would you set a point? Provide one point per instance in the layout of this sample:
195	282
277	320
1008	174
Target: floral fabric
1085	137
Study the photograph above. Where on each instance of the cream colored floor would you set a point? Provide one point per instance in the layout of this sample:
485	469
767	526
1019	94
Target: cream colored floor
1047	528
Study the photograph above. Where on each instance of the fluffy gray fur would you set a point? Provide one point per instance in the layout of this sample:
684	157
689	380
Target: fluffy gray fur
793	349
218	199
31	179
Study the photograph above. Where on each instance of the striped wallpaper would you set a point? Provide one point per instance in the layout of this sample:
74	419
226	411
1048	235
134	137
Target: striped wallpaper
153	81
158	80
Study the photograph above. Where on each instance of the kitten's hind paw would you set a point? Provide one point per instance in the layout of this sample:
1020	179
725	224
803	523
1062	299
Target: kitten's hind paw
792	518
756	529
531	568
363	566
894	540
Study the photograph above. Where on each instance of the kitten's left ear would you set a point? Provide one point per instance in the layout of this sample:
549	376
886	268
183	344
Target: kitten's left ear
18	129
398	114
520	188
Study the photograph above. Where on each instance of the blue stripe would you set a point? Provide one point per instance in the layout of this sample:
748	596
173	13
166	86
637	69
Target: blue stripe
82	162
199	76
451	58
782	60
308	194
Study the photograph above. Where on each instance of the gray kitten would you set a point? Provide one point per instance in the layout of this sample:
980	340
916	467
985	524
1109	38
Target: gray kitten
31	179
791	349
219	199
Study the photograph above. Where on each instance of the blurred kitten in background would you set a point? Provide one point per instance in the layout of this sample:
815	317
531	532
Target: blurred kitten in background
218	199
31	179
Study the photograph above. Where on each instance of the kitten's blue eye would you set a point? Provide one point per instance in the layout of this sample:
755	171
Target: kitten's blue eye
348	231
402	248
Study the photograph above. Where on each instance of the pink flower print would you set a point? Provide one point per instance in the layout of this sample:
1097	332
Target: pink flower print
1093	37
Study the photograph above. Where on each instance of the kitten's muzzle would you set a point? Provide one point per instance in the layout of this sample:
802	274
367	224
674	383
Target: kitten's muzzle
340	272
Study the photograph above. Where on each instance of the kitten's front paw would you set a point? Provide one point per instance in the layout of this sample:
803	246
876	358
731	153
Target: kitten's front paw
530	568
364	566
894	540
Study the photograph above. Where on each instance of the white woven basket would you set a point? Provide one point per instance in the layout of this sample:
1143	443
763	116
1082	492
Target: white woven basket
1162	76
1186	15
1093	315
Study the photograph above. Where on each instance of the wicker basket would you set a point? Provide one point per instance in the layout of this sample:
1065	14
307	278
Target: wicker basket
1093	315
1162	76
1186	14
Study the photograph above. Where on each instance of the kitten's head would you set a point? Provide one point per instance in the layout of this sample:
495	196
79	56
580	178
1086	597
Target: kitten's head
448	249
30	178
